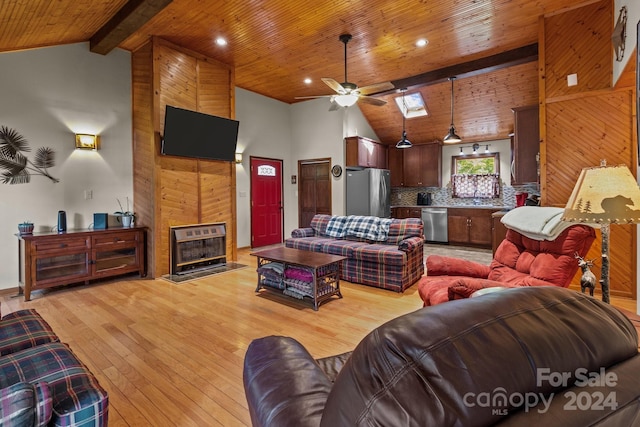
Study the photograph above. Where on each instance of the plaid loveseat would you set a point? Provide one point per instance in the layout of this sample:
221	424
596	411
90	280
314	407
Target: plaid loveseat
42	383
381	252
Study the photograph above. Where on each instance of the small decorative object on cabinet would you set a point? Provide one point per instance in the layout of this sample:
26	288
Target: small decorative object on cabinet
52	259
125	217
25	227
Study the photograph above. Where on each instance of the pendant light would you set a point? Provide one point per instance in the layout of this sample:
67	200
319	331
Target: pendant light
404	142
452	137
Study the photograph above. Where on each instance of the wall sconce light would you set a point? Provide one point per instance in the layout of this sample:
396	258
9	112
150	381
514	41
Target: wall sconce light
87	142
238	157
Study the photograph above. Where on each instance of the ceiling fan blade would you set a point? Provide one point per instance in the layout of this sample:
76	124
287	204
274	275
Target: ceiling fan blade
313	97
371	100
379	87
334	85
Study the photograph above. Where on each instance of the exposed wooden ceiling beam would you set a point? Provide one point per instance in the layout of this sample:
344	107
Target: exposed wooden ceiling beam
488	64
133	15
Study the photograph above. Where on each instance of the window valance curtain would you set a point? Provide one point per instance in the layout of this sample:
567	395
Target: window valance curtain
476	186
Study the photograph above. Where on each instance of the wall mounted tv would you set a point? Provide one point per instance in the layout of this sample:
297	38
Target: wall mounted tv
198	135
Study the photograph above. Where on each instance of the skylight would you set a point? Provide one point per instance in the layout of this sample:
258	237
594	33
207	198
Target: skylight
415	106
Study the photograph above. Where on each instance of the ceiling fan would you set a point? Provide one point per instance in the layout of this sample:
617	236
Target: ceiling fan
348	93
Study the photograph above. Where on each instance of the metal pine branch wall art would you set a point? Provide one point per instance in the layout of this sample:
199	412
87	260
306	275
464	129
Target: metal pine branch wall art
17	168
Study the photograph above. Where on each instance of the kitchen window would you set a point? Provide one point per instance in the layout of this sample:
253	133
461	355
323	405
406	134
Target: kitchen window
476	176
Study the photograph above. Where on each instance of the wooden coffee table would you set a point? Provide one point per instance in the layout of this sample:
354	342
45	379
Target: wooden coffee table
324	269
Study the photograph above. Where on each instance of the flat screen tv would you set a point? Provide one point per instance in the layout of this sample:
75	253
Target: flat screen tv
202	136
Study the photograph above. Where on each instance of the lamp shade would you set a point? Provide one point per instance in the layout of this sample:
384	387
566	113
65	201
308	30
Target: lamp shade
86	141
346	100
604	194
404	142
451	137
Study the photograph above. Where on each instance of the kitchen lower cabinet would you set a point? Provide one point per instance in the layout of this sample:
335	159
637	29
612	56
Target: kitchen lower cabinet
406	212
470	226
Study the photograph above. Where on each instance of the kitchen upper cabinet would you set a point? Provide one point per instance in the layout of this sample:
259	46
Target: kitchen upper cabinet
470	226
422	165
395	159
365	152
525	145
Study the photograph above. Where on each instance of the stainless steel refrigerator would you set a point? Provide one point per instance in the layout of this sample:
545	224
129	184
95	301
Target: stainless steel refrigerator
369	192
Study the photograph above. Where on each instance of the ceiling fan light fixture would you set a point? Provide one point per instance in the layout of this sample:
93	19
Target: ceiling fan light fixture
346	100
452	136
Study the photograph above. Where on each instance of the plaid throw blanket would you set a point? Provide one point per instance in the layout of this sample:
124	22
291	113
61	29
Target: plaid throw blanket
336	227
368	227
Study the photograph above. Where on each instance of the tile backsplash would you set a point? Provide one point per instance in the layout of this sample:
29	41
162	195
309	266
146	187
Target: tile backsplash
441	196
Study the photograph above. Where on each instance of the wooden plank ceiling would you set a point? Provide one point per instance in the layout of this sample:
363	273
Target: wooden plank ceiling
275	45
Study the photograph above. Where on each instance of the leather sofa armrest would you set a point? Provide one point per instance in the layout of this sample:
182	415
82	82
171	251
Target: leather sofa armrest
332	365
410	244
438	265
302	232
283	384
23	404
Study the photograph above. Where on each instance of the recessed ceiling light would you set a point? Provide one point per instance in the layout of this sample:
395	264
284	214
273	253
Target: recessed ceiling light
221	42
422	42
308	81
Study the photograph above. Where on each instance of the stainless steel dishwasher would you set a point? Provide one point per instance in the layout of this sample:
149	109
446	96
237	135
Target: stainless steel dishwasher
435	224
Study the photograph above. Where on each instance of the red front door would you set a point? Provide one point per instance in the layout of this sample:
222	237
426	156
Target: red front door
266	202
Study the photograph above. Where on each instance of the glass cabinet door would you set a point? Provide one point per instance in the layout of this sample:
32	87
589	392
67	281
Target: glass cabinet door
107	260
57	267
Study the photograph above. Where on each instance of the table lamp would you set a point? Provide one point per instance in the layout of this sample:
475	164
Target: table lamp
602	196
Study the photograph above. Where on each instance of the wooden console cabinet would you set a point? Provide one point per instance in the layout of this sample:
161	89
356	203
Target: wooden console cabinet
54	259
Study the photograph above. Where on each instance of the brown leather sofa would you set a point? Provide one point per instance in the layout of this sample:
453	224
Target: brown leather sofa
520	357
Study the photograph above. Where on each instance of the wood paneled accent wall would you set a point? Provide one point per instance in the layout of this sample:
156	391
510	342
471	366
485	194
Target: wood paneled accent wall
169	190
579	125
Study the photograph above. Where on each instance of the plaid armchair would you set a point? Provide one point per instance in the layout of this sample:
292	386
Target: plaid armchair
41	381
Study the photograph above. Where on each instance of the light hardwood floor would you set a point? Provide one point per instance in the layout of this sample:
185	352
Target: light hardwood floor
172	354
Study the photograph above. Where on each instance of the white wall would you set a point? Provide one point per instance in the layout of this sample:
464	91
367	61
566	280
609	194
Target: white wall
319	133
276	130
48	95
265	131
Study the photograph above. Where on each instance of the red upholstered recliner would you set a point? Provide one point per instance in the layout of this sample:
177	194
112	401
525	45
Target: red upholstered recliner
518	261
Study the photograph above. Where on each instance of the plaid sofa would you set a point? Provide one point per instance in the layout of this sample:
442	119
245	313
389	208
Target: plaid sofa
42	383
385	253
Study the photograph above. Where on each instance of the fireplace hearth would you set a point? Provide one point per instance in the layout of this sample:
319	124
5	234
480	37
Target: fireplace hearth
197	247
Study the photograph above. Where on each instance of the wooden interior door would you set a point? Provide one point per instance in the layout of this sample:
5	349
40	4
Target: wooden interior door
266	202
314	189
